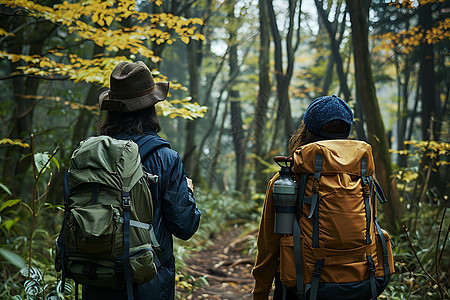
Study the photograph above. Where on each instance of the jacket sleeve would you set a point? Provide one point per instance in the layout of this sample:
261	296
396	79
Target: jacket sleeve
180	212
268	245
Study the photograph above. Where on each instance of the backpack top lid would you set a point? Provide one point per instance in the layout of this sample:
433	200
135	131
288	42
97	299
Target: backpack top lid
339	156
107	161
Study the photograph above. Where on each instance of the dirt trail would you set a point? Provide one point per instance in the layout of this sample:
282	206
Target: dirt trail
226	268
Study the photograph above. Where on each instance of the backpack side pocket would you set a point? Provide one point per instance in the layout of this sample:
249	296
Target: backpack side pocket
142	264
287	261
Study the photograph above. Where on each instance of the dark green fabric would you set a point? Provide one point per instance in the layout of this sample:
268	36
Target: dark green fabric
105	168
106	160
141	262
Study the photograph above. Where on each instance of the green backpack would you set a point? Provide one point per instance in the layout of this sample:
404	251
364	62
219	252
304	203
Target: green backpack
107	238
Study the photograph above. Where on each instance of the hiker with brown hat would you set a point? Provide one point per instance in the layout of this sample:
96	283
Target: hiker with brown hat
131	115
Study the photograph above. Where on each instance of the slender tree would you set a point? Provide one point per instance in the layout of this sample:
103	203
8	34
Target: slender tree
195	58
237	130
428	95
263	94
427	74
366	87
336	59
283	78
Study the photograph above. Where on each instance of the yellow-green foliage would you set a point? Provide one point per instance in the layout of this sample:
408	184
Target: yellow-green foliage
103	28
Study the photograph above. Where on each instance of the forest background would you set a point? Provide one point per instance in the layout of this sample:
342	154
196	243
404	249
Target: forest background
242	73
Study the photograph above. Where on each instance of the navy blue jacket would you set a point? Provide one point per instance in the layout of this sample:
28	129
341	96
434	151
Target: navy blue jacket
175	213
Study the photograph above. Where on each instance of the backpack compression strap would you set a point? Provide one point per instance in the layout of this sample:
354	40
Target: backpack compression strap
367	190
366	181
126	243
380	193
387	271
64	251
315	189
372	269
298	259
315	238
297	238
153	239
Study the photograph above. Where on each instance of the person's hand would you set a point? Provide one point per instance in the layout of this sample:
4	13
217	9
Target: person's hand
190	184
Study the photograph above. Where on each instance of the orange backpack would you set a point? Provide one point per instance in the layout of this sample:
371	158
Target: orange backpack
337	250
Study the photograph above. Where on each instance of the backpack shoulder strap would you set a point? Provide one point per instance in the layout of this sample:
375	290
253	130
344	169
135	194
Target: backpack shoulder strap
63	251
146	149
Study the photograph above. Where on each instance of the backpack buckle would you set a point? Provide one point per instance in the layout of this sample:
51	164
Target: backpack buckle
315	185
371	264
126	200
118	269
89	270
151	177
366	190
318	268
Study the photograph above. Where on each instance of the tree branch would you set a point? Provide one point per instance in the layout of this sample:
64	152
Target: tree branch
35	77
417	257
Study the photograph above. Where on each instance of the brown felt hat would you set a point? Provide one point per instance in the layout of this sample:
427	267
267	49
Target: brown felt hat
132	89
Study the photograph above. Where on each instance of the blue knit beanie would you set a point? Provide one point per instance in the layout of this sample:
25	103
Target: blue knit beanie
325	109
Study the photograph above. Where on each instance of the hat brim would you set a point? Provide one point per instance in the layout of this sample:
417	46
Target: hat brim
159	93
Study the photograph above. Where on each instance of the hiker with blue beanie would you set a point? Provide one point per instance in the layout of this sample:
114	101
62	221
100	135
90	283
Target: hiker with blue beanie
326	118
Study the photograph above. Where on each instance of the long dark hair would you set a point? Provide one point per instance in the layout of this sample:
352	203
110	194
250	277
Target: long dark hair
129	123
303	135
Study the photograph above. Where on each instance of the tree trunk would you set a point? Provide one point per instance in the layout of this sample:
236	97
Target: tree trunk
263	94
429	101
328	76
24	89
334	50
215	162
427	75
283	79
402	110
85	118
212	119
195	57
237	130
194	48
375	125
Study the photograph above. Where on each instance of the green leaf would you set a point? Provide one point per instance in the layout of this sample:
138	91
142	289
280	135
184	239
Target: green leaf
12	258
9	203
68	288
35	274
56	162
5	188
9	223
40	160
203	281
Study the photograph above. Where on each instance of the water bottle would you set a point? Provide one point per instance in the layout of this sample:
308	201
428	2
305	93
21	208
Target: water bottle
285	196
